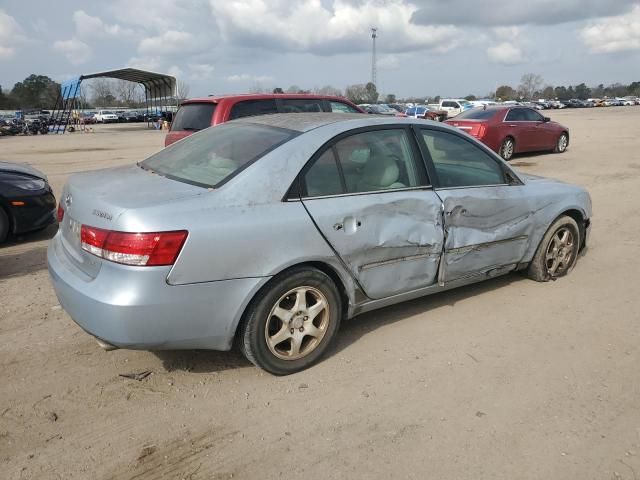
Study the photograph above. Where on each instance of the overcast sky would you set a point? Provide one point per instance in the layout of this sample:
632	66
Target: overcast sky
425	47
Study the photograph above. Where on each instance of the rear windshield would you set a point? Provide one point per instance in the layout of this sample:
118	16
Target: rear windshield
193	116
477	114
215	155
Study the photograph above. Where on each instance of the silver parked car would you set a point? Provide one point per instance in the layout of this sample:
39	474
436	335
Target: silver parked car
270	230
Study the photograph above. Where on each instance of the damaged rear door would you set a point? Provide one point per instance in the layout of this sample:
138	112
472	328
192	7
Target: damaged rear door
487	212
369	196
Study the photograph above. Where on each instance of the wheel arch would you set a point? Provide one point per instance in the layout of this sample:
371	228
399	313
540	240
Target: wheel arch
580	219
322	266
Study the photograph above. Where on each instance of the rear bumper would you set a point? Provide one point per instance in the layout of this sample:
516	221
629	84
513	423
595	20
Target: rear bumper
134	307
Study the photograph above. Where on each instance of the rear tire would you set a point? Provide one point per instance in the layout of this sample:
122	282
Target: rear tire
291	322
507	148
558	251
4	225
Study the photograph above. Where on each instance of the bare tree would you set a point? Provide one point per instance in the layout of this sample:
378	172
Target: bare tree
530	83
357	93
127	92
103	92
182	90
328	90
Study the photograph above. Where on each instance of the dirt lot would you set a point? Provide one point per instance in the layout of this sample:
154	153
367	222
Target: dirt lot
508	379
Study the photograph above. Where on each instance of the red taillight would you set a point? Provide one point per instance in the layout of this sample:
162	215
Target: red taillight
142	249
481	130
60	213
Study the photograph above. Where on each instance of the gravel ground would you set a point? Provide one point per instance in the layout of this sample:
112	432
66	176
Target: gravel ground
502	380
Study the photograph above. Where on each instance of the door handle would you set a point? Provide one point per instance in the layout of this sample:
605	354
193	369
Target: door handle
513	125
349	225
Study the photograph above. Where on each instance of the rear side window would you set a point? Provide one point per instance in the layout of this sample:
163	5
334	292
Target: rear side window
193	116
212	156
459	163
250	108
476	114
366	162
532	115
301	105
340	107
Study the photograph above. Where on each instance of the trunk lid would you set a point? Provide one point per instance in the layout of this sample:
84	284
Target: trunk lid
475	128
99	198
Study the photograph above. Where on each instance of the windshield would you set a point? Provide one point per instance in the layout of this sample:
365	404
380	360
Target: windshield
215	155
193	116
107	112
478	113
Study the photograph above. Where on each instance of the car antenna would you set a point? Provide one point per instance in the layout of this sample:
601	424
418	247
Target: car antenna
484	107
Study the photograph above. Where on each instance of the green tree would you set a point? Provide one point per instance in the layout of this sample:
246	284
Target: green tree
582	91
505	92
470	97
372	92
634	88
390	98
562	93
5	101
36	91
548	93
278	90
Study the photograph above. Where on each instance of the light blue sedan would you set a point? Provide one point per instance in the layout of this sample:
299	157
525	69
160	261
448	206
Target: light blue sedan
270	230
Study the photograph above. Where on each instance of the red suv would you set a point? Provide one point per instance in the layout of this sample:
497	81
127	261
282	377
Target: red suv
199	113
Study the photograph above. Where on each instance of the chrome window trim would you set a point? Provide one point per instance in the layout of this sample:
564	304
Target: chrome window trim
371	192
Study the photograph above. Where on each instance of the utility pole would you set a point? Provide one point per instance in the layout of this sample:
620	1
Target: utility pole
374	72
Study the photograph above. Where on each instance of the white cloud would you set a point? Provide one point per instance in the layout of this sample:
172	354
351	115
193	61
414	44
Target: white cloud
200	71
175	71
76	51
247	78
145	63
506	53
171	42
11	36
88	26
613	34
314	26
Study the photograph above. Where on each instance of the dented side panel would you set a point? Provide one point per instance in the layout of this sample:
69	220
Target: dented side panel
487	228
390	241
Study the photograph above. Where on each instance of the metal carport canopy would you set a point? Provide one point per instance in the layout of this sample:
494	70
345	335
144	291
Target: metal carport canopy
157	85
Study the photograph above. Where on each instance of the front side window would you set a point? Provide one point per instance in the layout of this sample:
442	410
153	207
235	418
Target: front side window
250	108
210	157
367	162
342	108
532	115
459	163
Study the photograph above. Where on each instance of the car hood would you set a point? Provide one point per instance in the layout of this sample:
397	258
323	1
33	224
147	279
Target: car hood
21	168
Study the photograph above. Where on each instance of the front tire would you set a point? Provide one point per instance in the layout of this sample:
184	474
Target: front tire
558	251
562	143
508	148
290	323
4	225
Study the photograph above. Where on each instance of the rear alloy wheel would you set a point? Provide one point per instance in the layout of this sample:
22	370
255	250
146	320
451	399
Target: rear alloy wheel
4	225
558	251
291	323
507	148
562	143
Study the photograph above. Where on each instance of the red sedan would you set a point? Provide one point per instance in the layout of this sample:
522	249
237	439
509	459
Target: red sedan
512	129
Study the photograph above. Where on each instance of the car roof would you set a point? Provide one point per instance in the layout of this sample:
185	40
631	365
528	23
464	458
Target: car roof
303	122
263	96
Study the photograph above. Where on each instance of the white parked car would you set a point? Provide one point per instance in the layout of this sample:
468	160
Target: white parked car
106	116
454	106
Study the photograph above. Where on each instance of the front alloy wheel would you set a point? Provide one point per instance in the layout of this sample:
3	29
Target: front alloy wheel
562	144
558	251
507	149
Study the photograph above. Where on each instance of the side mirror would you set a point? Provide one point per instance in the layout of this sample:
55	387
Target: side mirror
546	119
